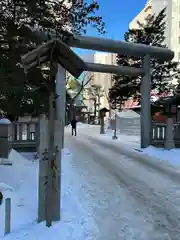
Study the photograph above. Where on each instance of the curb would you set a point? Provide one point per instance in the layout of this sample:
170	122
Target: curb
152	162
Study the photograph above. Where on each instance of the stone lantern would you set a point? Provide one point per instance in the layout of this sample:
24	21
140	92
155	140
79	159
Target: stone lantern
5	138
102	113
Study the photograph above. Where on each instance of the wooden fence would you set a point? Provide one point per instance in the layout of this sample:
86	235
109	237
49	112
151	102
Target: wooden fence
25	135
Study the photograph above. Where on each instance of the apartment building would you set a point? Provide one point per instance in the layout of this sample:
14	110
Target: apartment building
144	13
172	31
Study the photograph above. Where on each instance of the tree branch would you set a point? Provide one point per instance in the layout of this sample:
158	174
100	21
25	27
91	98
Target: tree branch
82	87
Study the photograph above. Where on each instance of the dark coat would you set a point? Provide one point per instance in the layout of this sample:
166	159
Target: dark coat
73	123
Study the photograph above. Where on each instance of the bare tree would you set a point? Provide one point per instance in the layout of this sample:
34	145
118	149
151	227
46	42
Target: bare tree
80	87
95	95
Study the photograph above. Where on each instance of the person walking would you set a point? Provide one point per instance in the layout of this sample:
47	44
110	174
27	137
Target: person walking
73	127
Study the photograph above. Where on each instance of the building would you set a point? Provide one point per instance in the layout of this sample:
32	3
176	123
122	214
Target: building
144	13
95	93
104	80
99	83
172	32
73	85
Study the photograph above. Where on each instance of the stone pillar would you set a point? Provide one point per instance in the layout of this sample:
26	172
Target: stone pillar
146	121
5	138
169	134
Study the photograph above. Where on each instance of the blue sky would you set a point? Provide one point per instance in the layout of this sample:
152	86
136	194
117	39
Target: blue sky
116	14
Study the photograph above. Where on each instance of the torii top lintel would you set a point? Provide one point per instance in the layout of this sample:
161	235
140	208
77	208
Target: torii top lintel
102	44
120	47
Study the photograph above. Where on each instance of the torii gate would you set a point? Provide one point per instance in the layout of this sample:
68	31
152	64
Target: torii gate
68	60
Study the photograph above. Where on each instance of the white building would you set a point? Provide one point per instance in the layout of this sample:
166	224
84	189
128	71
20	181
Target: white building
144	13
101	80
172	32
104	80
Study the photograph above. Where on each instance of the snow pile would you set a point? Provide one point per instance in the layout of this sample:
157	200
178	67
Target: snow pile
171	156
4	187
5	121
22	178
9	160
19	182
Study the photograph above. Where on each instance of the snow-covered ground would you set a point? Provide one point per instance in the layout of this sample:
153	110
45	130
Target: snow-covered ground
132	143
21	182
105	194
171	156
94	130
94	205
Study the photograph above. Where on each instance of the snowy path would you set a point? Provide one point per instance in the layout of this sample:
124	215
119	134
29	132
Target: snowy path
129	199
105	195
